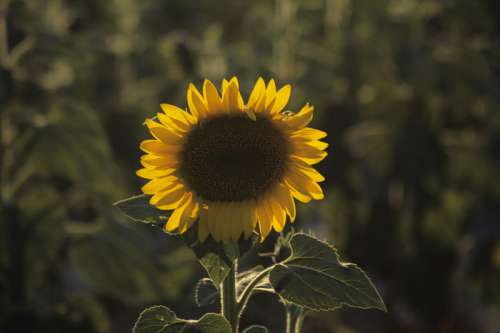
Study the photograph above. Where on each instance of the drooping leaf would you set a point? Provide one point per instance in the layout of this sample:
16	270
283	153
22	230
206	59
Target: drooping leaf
139	209
255	329
154	319
314	277
160	319
210	323
205	292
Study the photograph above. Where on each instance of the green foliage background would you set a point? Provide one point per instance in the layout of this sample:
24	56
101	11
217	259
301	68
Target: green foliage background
407	89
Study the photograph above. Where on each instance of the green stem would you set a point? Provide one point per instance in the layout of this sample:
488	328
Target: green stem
299	320
288	320
245	295
294	318
229	308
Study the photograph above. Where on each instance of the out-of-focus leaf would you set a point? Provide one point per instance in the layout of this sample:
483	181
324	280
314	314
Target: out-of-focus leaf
109	264
139	209
314	277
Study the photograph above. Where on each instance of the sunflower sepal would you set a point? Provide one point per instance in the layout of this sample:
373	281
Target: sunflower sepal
159	318
217	257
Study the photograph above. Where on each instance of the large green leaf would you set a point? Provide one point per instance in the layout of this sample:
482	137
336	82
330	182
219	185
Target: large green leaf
160	319
139	209
112	263
314	277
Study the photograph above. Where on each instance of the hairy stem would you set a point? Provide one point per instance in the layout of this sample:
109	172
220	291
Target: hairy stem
294	318
245	295
229	308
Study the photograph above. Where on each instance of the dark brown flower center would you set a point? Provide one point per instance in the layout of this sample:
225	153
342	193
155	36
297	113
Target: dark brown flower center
233	158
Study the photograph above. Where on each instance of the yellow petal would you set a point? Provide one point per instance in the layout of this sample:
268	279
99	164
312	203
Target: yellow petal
159	185
178	127
317	144
161	133
214	101
265	219
305	182
151	174
225	83
282	98
285	199
196	102
220	226
279	214
224	223
308	134
177	113
260	104
159	161
257	92
299	166
305	186
235	216
168	199
157	147
308	154
234	79
230	98
175	218
189	216
301	119
297	190
270	93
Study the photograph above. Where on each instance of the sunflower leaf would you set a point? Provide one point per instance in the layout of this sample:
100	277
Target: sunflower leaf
139	209
160	319
314	277
255	329
154	319
205	292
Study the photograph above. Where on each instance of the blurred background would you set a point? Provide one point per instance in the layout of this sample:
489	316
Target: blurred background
408	91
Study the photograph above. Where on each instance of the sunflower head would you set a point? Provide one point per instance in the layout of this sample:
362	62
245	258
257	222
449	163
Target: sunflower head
230	166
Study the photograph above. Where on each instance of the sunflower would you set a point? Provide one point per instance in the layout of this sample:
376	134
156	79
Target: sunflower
230	165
